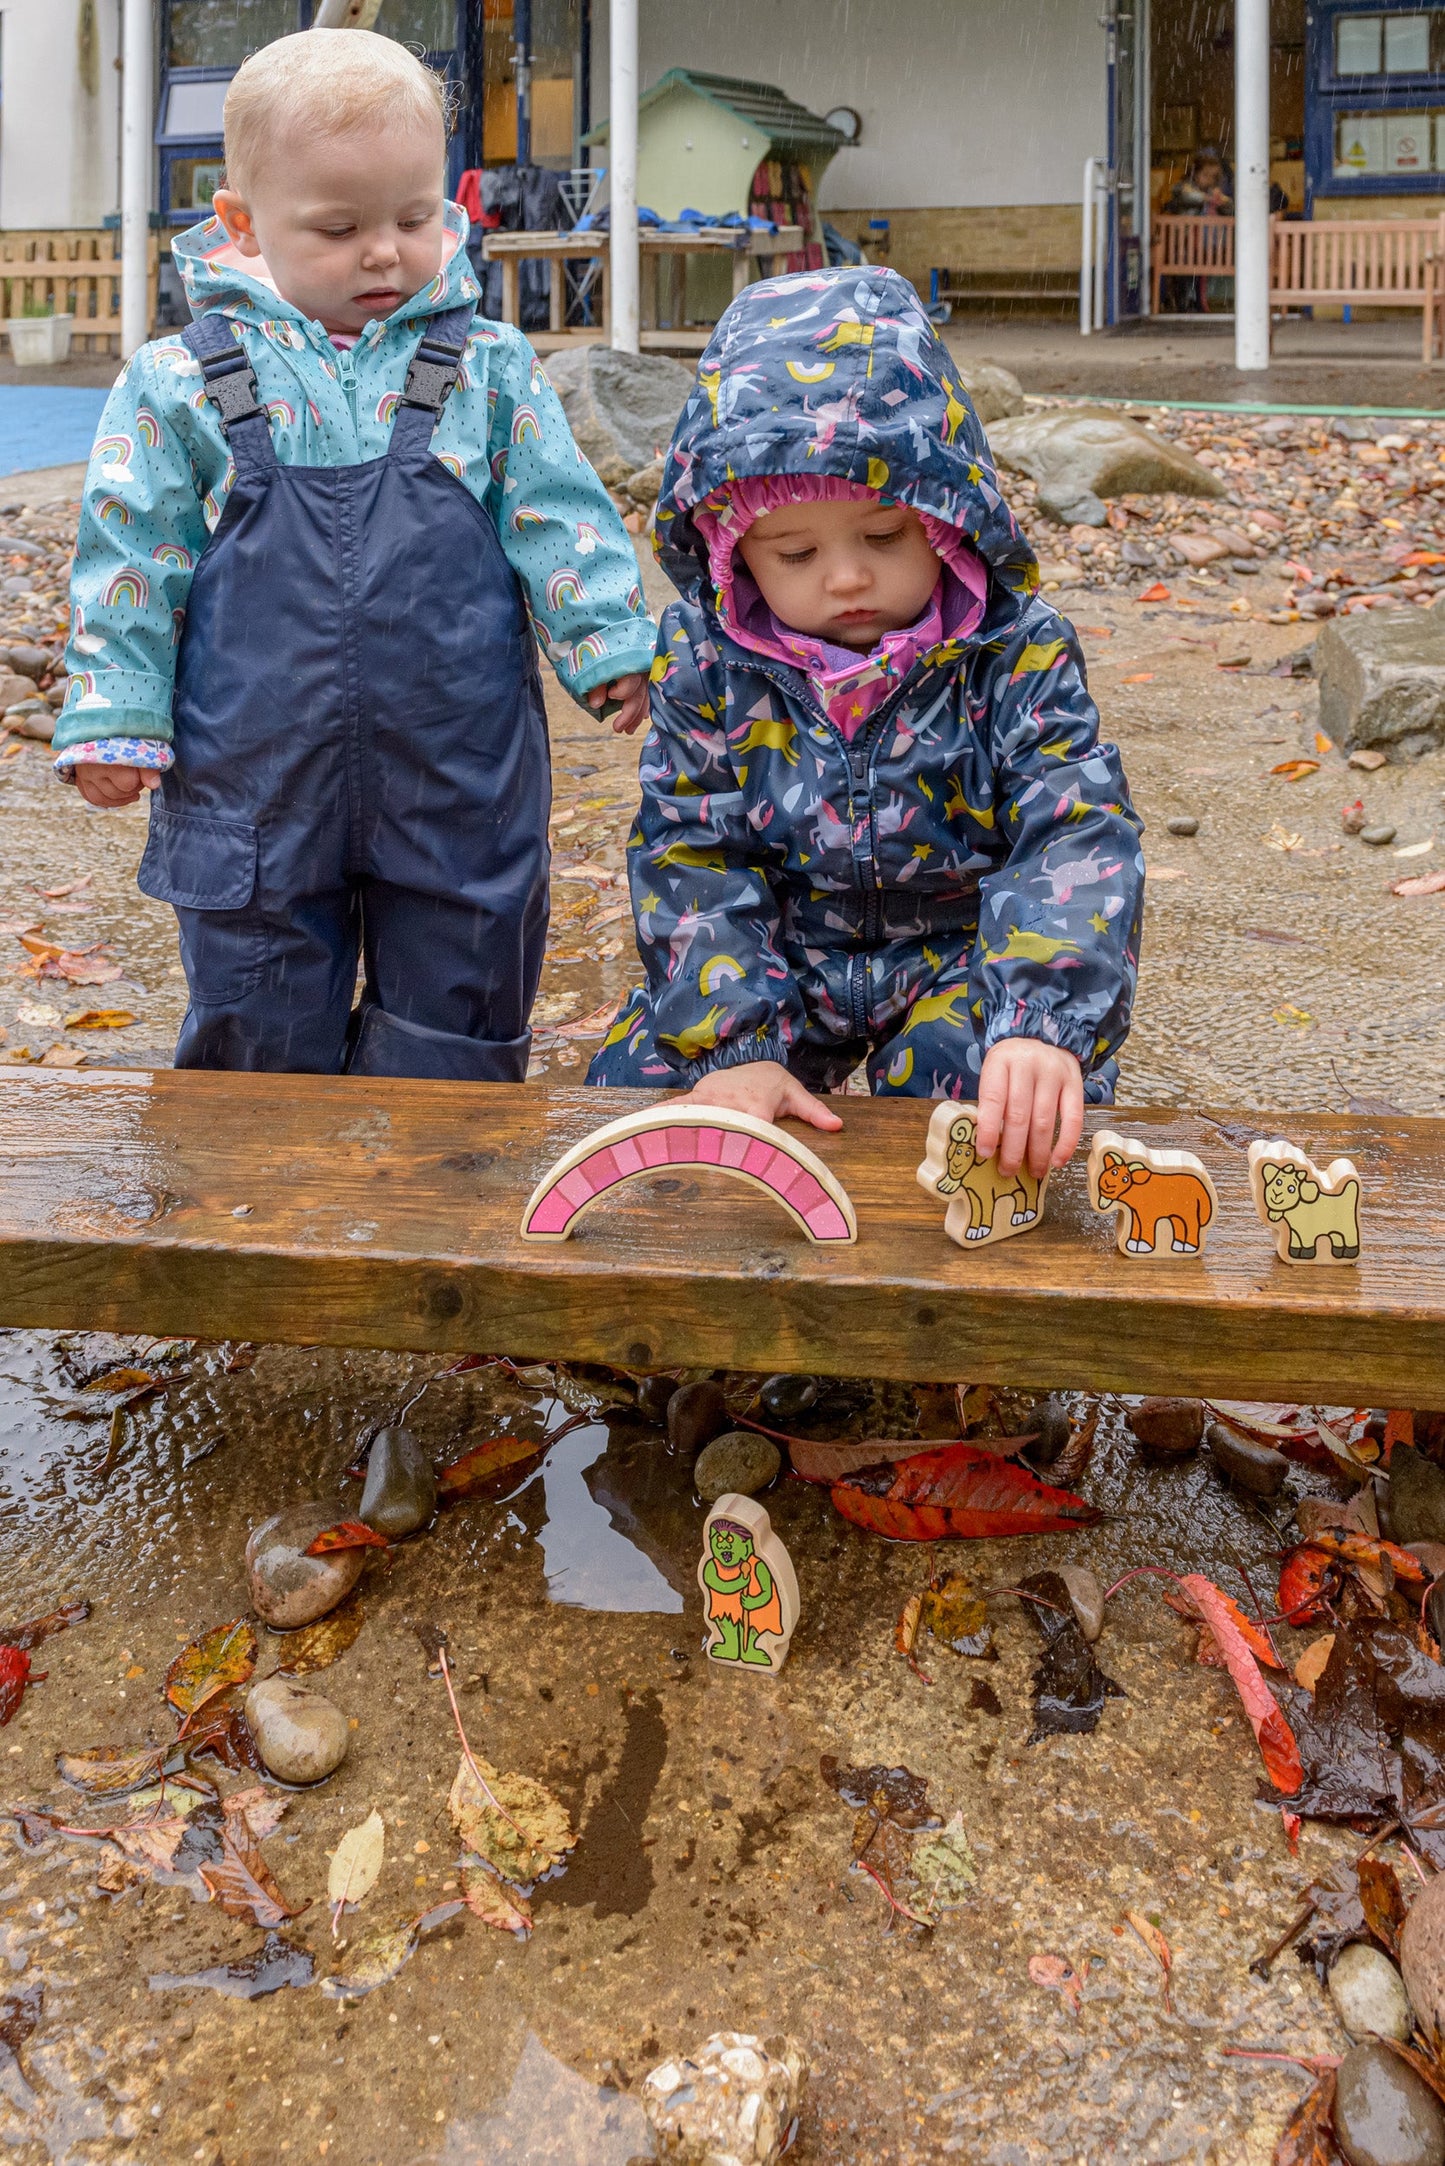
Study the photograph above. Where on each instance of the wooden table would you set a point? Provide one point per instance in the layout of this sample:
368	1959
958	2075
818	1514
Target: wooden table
378	1213
659	251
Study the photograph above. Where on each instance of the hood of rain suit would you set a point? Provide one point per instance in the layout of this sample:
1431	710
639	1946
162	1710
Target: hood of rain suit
216	275
834	372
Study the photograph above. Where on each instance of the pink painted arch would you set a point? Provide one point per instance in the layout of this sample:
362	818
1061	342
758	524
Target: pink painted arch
704	1137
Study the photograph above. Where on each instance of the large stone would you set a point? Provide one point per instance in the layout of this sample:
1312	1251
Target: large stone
1080	457
300	1734
737	1463
994	393
401	1485
1386	2115
1368	1994
1414	1504
622	407
288	1588
732	2103
13	689
32	718
1422	1955
1382	681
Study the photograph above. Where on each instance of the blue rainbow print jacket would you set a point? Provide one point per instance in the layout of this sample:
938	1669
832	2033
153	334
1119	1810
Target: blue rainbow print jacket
968	868
160	473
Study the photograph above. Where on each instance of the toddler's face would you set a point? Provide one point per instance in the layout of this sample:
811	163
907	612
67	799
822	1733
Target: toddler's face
349	226
844	572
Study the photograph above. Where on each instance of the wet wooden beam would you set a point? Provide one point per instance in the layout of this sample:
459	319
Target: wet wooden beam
354	1212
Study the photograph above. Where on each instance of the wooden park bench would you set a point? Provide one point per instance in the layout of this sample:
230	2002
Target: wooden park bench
352	1212
1355	262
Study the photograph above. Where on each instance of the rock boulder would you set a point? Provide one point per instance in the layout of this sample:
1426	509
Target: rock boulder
1382	681
1080	457
622	407
994	392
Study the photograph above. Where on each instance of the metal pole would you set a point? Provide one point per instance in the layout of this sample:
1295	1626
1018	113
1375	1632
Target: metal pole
522	63
137	158
622	145
1086	254
1251	184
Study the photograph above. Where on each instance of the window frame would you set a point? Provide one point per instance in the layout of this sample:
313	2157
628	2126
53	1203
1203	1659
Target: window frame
1328	95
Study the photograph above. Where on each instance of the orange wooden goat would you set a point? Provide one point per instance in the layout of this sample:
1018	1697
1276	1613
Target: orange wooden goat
1151	1190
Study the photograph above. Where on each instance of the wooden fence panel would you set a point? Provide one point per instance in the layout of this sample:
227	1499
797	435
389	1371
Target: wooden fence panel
71	272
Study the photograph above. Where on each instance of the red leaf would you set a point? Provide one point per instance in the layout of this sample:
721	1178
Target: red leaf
830	1462
1308	2135
1363	1549
40	1628
1272	1732
483	1463
1301	1584
14	1673
1254	1639
346	1534
960	1491
1157	593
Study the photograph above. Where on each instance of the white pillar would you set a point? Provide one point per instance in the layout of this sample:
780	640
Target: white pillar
137	163
1251	184
622	146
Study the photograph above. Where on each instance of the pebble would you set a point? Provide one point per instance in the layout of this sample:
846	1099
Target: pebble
696	1413
732	2103
1258	1468
1168	1428
1414	1505
1422	1953
300	1734
1430	1554
1435	1610
737	1463
288	1588
401	1485
1183	823
653	1396
1377	837
1386	2115
1052	1428
784	1398
1086	1598
1369	1994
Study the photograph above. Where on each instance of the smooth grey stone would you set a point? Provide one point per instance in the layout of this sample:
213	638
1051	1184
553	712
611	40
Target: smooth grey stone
696	1413
994	392
1080	453
300	1734
737	1463
1369	1994
288	1588
401	1485
622	407
783	1398
1086	1598
654	1394
1382	680
1415	1497
1070	507
1386	2115
1051	1428
1377	836
1422	1953
1183	823
1256	1467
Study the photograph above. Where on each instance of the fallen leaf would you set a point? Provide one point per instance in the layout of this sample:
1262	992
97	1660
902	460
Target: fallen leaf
242	1883
1381	1902
961	1491
956	1613
1077	1452
905	1632
111	1770
1297	1018
591	1025
43	1628
1056	1974
1069	1689
1310	1666
316	1646
1164	872
14	1676
1415	849
1296	770
1280	838
488	1897
1302	1582
465	1476
376	1959
1272	1732
1308	2138
1248	1631
121	1380
226	1736
1157	593
356	1863
1423	883
545	1835
71	887
62	1056
101	1019
260	1812
1142	676
277	1962
828	1463
1323	743
945	1868
896	1791
1158	1947
1367	1549
222	1657
346	1534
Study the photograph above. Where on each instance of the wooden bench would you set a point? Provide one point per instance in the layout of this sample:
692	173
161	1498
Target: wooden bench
661	253
72	272
1356	262
1048	291
353	1212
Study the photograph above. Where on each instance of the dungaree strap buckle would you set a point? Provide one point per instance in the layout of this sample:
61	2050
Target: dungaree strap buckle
432	375
231	386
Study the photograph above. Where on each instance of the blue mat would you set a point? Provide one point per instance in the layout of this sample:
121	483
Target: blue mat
41	425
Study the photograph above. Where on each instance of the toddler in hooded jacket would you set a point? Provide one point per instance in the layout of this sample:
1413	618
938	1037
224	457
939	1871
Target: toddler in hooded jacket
324	528
877	823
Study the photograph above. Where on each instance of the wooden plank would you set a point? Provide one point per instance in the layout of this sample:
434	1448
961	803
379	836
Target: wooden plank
381	1213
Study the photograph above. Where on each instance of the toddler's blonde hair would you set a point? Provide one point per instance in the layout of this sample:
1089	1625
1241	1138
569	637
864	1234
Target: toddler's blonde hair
326	82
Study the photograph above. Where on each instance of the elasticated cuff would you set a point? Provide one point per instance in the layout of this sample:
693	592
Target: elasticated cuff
1034	1019
737	1053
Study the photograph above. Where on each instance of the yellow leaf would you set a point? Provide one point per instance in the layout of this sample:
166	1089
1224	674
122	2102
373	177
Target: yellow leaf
224	1656
101	1019
356	1861
526	1838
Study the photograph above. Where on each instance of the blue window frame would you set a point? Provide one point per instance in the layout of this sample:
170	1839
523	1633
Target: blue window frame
1374	99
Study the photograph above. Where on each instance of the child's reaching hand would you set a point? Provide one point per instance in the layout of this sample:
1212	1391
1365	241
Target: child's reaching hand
1026	1091
112	786
765	1089
632	692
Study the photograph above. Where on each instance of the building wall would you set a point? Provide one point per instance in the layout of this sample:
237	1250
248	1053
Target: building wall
939	157
60	124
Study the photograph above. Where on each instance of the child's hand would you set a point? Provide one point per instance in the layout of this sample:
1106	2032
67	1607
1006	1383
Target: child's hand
632	691
1026	1091
765	1089
111	786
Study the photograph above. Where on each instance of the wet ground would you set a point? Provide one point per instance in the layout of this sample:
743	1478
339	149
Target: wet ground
710	1887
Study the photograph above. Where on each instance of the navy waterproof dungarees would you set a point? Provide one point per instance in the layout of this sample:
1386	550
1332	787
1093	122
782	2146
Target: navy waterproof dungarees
361	759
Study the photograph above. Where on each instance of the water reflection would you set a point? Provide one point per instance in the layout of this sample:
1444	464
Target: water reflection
590	1535
550	2117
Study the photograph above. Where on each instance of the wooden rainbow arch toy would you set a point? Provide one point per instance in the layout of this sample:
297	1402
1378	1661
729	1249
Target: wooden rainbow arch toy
710	1138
